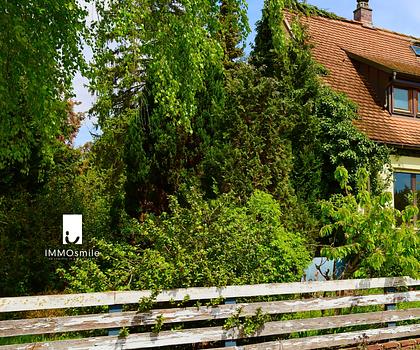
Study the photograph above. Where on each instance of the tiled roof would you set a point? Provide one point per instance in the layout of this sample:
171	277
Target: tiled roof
386	64
335	41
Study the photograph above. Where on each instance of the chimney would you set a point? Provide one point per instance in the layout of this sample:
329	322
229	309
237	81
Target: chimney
363	13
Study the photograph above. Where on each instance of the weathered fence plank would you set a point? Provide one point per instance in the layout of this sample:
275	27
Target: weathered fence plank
61	301
212	334
131	297
333	340
133	318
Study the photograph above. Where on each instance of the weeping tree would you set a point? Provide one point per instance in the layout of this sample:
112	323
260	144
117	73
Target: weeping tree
40	51
158	72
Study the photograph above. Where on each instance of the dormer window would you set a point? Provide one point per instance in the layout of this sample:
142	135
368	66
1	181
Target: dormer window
402	100
405	101
418	103
416	49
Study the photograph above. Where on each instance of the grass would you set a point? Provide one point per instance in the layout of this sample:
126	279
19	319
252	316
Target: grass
34	339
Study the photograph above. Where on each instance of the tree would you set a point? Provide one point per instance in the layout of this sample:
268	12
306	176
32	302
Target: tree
203	147
40	51
252	148
368	234
322	132
32	222
233	31
158	71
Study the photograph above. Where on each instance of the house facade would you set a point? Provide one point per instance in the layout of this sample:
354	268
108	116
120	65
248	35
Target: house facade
380	71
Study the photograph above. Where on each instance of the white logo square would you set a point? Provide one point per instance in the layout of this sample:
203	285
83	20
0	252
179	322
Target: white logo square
72	229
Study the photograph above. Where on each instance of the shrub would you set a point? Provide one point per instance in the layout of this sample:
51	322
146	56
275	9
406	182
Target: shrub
200	243
373	238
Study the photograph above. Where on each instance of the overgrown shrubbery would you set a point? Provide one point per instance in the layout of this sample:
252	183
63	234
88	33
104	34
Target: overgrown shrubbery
31	221
200	243
258	138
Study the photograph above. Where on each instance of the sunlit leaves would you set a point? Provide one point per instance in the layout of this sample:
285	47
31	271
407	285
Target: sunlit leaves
169	45
158	71
40	51
201	243
372	237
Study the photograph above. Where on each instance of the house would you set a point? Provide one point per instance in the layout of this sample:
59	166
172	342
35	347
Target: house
380	71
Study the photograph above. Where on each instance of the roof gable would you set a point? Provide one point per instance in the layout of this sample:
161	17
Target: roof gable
338	43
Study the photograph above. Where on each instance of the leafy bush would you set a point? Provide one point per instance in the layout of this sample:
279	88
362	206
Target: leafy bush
201	243
366	232
31	222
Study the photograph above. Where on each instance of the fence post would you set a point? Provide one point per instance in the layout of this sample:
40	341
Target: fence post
112	309
228	343
389	307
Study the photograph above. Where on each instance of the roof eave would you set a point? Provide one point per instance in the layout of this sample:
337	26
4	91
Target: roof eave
382	67
399	145
369	62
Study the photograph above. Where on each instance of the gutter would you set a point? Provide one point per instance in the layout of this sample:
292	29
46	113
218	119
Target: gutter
399	145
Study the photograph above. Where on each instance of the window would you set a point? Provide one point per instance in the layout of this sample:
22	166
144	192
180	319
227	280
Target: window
416	49
418	103
401	100
405	101
406	188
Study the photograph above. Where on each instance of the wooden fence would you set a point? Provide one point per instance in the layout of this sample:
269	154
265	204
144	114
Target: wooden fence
285	298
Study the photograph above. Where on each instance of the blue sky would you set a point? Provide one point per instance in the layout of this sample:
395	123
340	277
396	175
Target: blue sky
402	16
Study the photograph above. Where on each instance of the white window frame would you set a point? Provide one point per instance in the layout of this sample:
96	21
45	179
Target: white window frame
402	164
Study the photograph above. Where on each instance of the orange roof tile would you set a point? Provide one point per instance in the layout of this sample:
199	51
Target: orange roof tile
336	41
386	64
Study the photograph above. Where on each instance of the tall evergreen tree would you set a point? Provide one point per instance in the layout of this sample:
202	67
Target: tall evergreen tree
233	31
160	87
321	118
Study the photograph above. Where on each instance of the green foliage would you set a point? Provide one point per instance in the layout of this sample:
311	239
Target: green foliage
234	29
147	303
322	132
269	126
248	325
307	9
365	231
40	50
166	47
202	243
124	332
160	85
289	63
252	149
342	143
157	327
215	301
233	321
32	222
254	323
209	168
259	143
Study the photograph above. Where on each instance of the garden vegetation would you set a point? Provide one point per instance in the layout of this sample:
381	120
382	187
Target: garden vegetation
212	167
